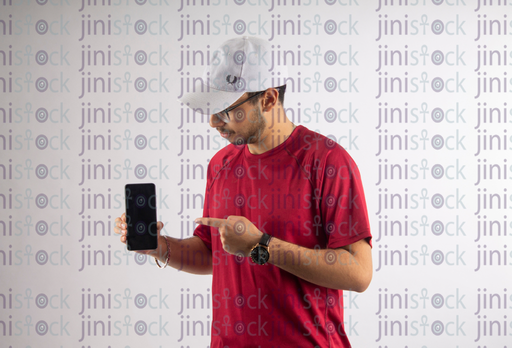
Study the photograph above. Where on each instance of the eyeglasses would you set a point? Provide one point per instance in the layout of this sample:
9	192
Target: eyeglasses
224	114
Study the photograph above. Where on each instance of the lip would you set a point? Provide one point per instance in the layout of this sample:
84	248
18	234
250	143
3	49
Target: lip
223	133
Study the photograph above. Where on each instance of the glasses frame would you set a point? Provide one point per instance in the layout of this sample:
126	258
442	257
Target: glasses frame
226	118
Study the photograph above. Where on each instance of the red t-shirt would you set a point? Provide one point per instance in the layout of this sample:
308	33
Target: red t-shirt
306	191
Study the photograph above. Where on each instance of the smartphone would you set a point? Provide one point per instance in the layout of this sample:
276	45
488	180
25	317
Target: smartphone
140	202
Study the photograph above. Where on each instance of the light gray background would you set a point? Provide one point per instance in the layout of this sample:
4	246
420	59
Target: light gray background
413	285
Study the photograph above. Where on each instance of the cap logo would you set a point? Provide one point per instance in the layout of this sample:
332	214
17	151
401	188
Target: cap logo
231	82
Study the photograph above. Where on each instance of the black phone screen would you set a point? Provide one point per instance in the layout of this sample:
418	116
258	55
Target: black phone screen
141	216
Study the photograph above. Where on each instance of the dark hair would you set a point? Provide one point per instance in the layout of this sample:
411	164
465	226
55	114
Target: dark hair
280	89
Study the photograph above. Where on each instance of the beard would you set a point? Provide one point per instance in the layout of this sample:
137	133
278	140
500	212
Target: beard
255	126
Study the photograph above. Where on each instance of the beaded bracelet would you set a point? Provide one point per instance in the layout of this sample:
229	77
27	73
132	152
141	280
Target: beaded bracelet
168	255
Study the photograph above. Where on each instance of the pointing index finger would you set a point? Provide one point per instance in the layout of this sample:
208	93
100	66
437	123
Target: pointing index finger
208	221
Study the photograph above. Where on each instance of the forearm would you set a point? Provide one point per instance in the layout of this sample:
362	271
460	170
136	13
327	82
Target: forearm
188	255
331	268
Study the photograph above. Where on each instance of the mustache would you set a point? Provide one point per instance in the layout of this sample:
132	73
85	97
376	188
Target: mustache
224	130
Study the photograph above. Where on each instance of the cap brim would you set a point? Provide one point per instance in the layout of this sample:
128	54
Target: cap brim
206	100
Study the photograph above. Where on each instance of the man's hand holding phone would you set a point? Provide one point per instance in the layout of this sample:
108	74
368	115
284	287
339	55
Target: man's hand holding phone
160	252
138	227
140	231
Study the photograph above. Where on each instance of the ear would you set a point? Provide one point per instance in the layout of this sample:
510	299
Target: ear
270	99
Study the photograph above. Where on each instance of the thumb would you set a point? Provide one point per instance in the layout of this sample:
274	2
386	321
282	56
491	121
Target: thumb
233	218
159	226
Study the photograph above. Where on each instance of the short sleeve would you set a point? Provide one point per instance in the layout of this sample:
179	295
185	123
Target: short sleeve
344	212
203	231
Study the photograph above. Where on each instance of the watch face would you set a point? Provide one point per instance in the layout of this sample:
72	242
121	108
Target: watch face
260	255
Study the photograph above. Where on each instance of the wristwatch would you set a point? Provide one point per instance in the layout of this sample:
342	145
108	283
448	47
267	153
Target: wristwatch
260	252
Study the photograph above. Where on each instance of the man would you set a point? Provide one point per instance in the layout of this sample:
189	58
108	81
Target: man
285	227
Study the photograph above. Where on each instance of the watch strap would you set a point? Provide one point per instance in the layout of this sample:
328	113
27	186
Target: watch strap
265	239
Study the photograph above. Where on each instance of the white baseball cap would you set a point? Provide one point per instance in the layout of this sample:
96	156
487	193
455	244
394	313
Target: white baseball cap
243	64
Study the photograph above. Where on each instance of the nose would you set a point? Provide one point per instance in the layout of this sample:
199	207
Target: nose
216	121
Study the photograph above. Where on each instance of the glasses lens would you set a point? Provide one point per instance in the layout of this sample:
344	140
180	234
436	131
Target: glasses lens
222	117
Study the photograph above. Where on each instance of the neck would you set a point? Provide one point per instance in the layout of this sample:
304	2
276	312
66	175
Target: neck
278	129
